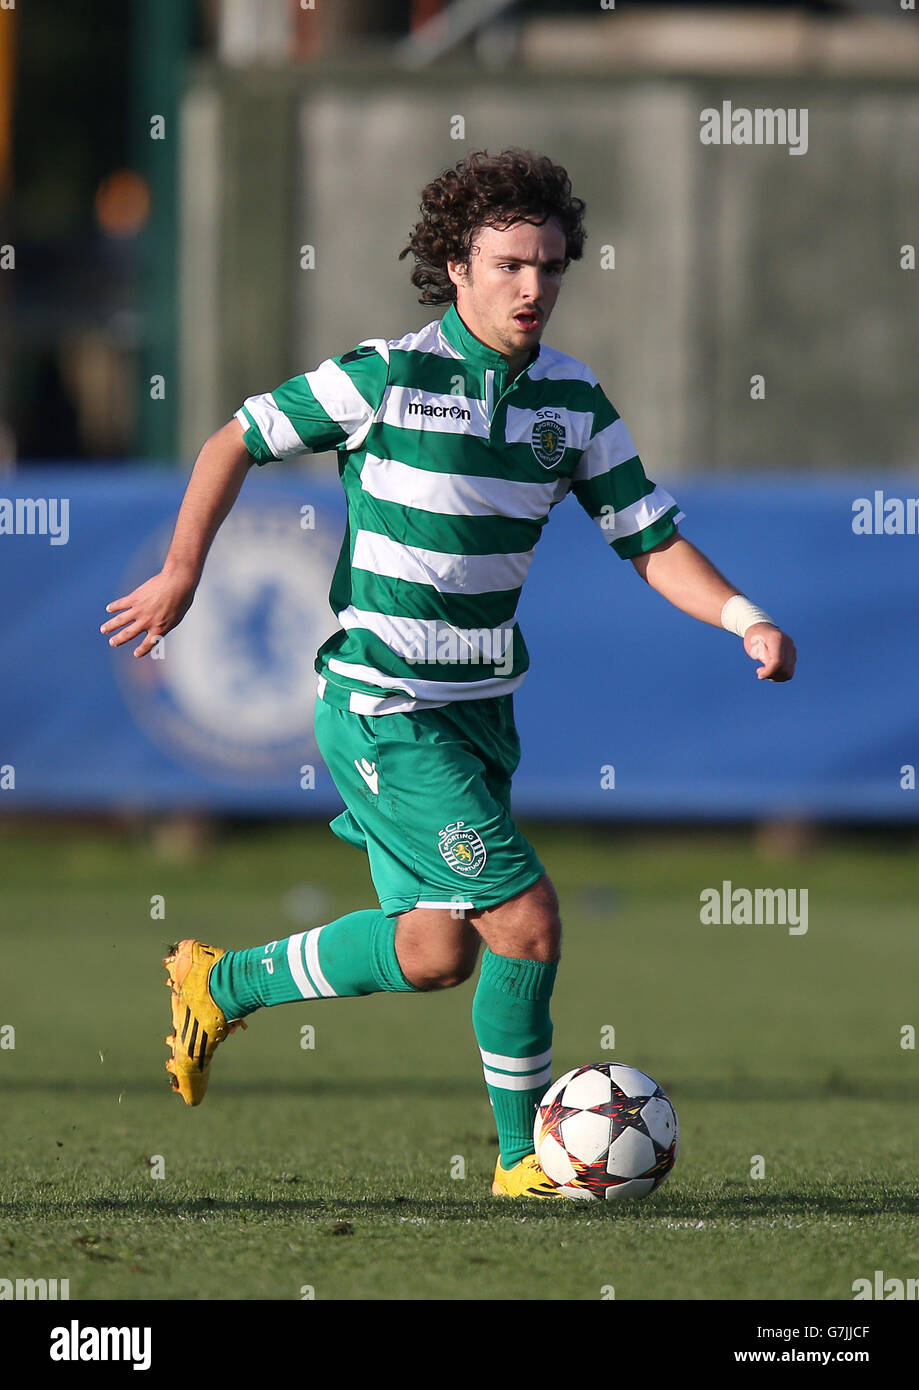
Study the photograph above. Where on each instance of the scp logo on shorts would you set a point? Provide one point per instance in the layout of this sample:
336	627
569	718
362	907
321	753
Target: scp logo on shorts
462	848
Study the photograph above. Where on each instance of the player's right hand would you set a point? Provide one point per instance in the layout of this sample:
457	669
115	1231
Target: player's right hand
155	608
774	649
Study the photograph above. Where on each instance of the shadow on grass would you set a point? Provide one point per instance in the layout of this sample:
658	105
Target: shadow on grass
690	1212
830	1085
362	1088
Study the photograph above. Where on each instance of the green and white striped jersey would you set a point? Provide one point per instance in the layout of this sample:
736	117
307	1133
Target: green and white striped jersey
450	473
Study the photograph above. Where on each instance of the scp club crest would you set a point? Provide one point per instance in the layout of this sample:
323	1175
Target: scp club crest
548	438
462	849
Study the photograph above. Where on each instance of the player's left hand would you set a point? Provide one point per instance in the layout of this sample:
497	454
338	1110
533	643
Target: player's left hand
774	649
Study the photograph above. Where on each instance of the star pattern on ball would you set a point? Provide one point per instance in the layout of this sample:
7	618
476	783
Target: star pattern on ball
625	1112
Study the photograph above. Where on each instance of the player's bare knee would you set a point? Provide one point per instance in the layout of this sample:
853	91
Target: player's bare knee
440	956
539	938
527	926
550	920
547	897
543	942
444	976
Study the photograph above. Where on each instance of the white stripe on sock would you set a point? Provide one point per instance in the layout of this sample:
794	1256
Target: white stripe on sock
295	965
517	1083
495	1059
313	966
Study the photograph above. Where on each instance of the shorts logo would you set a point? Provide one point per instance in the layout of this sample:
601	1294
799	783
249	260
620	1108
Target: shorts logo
462	849
548	438
369	773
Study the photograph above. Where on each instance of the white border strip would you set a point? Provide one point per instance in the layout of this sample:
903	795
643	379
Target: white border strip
295	965
312	963
517	1083
495	1059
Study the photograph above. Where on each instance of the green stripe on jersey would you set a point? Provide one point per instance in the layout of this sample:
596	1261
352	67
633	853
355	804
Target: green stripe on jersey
450	473
461	535
403	597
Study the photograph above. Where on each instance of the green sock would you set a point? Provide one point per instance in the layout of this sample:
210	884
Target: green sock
353	955
510	1016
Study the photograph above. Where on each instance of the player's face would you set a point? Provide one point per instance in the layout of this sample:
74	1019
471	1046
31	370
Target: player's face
509	290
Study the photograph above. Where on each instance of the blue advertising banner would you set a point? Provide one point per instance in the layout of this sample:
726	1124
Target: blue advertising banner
631	709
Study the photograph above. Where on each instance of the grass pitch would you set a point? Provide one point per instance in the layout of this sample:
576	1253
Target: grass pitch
359	1168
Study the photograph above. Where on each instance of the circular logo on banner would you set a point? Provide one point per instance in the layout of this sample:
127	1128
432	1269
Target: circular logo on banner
548	438
231	690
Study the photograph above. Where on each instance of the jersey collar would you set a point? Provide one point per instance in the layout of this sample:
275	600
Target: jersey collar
472	348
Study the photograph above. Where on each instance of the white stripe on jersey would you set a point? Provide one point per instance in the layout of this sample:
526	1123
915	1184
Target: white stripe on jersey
440	691
273	425
426	339
445	572
610	447
458	494
341	400
462	415
418	638
617	525
552	365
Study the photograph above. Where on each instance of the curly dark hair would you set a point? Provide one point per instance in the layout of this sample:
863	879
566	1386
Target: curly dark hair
486	190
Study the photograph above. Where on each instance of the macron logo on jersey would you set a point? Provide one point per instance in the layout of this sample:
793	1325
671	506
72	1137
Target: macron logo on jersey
439	412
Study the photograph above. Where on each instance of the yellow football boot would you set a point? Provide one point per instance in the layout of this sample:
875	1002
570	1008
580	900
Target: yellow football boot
525	1179
198	1025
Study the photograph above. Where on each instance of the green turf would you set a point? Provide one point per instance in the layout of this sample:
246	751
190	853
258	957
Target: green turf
331	1167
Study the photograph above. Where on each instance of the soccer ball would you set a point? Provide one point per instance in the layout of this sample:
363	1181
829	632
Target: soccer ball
606	1131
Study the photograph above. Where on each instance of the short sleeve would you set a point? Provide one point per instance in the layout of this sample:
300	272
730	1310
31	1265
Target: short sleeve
332	407
609	481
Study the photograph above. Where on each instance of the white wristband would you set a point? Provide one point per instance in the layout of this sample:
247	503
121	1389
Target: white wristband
739	613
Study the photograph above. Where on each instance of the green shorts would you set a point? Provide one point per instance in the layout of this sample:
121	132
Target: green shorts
428	798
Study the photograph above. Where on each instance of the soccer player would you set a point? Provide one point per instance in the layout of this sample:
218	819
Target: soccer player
454	443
